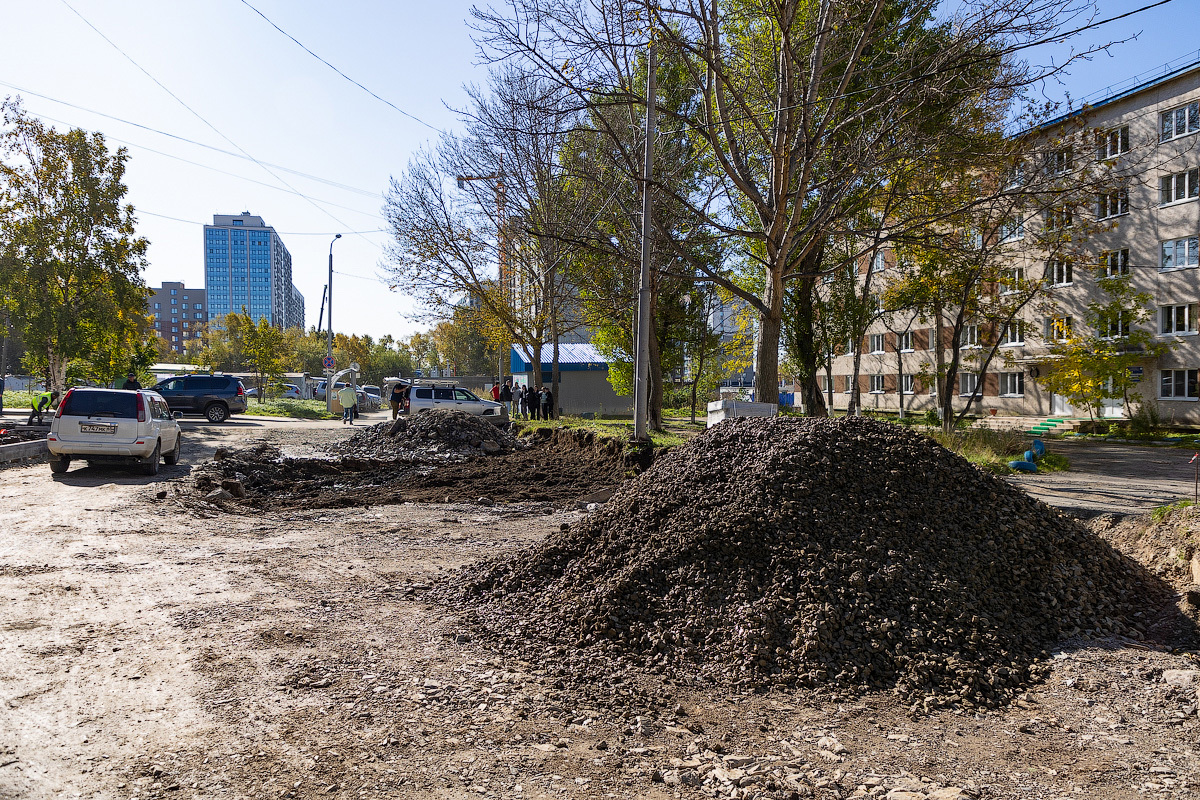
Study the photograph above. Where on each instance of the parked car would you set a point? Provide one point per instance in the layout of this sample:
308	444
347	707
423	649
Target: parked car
372	399
212	396
288	391
319	391
115	426
426	398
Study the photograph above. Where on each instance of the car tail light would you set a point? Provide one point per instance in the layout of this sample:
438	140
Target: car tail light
63	405
141	408
241	390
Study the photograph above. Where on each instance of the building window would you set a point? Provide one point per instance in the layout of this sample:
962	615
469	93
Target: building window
158	315
1115	263
1180	253
1012	384
849	384
1112	143
967	381
1058	329
198	306
1013	281
174	291
876	384
1058	162
1012	229
185	305
1013	333
199	316
908	384
237	222
877	343
1058	272
158	305
1115	326
1179	122
826	384
1177	384
850	346
1178	319
185	325
878	262
970	337
1112	204
1178	187
904	343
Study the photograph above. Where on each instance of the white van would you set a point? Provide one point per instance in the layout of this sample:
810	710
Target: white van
114	426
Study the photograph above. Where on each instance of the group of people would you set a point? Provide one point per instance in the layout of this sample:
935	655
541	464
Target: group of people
525	402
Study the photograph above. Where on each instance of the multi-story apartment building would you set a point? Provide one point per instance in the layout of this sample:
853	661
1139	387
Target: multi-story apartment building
246	265
1148	229
179	313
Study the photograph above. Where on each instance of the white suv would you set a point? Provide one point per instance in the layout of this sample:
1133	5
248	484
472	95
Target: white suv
114	426
426	398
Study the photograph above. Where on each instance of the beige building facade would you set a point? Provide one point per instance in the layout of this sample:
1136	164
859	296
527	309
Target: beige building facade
1150	134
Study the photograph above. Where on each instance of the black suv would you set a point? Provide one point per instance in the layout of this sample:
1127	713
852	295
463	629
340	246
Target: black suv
214	396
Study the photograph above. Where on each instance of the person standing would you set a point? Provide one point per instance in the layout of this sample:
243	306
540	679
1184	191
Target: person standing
396	398
496	391
131	382
506	393
348	399
547	403
41	404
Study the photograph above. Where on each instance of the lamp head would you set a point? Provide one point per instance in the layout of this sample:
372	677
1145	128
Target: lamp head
337	236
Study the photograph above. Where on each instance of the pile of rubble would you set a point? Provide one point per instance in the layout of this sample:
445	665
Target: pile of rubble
436	433
843	555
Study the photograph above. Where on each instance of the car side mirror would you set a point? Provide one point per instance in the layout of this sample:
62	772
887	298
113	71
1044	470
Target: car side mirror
177	414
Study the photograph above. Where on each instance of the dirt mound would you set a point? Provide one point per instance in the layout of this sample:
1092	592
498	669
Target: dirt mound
549	466
845	554
430	433
1166	543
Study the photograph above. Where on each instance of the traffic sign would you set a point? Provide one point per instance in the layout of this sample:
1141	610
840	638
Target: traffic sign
328	362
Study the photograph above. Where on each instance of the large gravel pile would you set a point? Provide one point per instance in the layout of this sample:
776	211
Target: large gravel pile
844	554
428	433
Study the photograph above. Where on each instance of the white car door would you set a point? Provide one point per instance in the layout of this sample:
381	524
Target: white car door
465	401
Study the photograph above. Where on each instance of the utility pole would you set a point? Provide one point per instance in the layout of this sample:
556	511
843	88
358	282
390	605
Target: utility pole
329	333
505	271
3	358
641	363
321	313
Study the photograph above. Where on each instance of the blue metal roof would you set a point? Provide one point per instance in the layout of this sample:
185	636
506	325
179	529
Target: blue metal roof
572	357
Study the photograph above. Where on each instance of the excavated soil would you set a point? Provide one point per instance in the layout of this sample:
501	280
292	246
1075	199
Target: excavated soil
377	467
10	436
843	556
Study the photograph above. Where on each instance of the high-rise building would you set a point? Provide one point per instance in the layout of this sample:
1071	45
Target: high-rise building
179	313
246	265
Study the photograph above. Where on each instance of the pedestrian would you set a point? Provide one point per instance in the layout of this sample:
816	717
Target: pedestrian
506	393
547	403
131	381
347	398
517	391
41	404
396	398
535	403
1	394
496	391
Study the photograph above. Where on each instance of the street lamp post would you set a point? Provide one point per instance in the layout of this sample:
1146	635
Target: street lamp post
329	333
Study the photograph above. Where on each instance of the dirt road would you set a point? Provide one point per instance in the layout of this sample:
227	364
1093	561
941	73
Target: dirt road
148	651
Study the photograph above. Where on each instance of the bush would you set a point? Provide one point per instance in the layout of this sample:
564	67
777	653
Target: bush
1145	419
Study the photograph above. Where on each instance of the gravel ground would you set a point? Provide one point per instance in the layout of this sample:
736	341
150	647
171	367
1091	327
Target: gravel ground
149	651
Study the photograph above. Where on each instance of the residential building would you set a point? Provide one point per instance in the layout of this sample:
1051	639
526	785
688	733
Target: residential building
246	265
179	313
1147	228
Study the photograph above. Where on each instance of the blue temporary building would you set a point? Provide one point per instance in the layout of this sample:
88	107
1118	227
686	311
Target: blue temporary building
583	378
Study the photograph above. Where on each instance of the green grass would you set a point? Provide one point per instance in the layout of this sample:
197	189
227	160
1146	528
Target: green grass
296	409
992	450
1159	513
677	431
19	400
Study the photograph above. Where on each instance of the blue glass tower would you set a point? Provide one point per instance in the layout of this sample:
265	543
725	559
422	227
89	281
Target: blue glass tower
246	266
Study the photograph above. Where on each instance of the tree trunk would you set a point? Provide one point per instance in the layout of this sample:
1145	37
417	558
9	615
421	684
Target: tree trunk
806	350
698	370
654	407
766	369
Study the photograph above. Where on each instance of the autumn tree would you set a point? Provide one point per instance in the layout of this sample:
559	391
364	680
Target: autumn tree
70	260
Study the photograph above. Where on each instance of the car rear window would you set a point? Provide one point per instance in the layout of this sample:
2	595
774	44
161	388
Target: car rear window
101	404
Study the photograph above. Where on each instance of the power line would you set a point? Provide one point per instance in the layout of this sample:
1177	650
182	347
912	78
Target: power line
299	173
199	116
281	233
339	72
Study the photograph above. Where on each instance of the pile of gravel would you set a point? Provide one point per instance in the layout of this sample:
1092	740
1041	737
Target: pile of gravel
845	555
436	432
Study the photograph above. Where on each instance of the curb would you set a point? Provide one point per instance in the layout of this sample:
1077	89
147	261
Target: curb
22	450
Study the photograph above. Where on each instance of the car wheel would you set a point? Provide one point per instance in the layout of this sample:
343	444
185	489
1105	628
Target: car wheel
60	465
173	456
216	412
150	465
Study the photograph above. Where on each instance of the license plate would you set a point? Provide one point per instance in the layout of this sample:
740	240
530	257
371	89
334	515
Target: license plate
92	428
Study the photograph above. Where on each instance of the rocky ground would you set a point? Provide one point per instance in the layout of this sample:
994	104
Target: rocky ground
153	646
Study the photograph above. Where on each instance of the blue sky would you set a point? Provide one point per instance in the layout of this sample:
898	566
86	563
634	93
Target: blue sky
253	90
